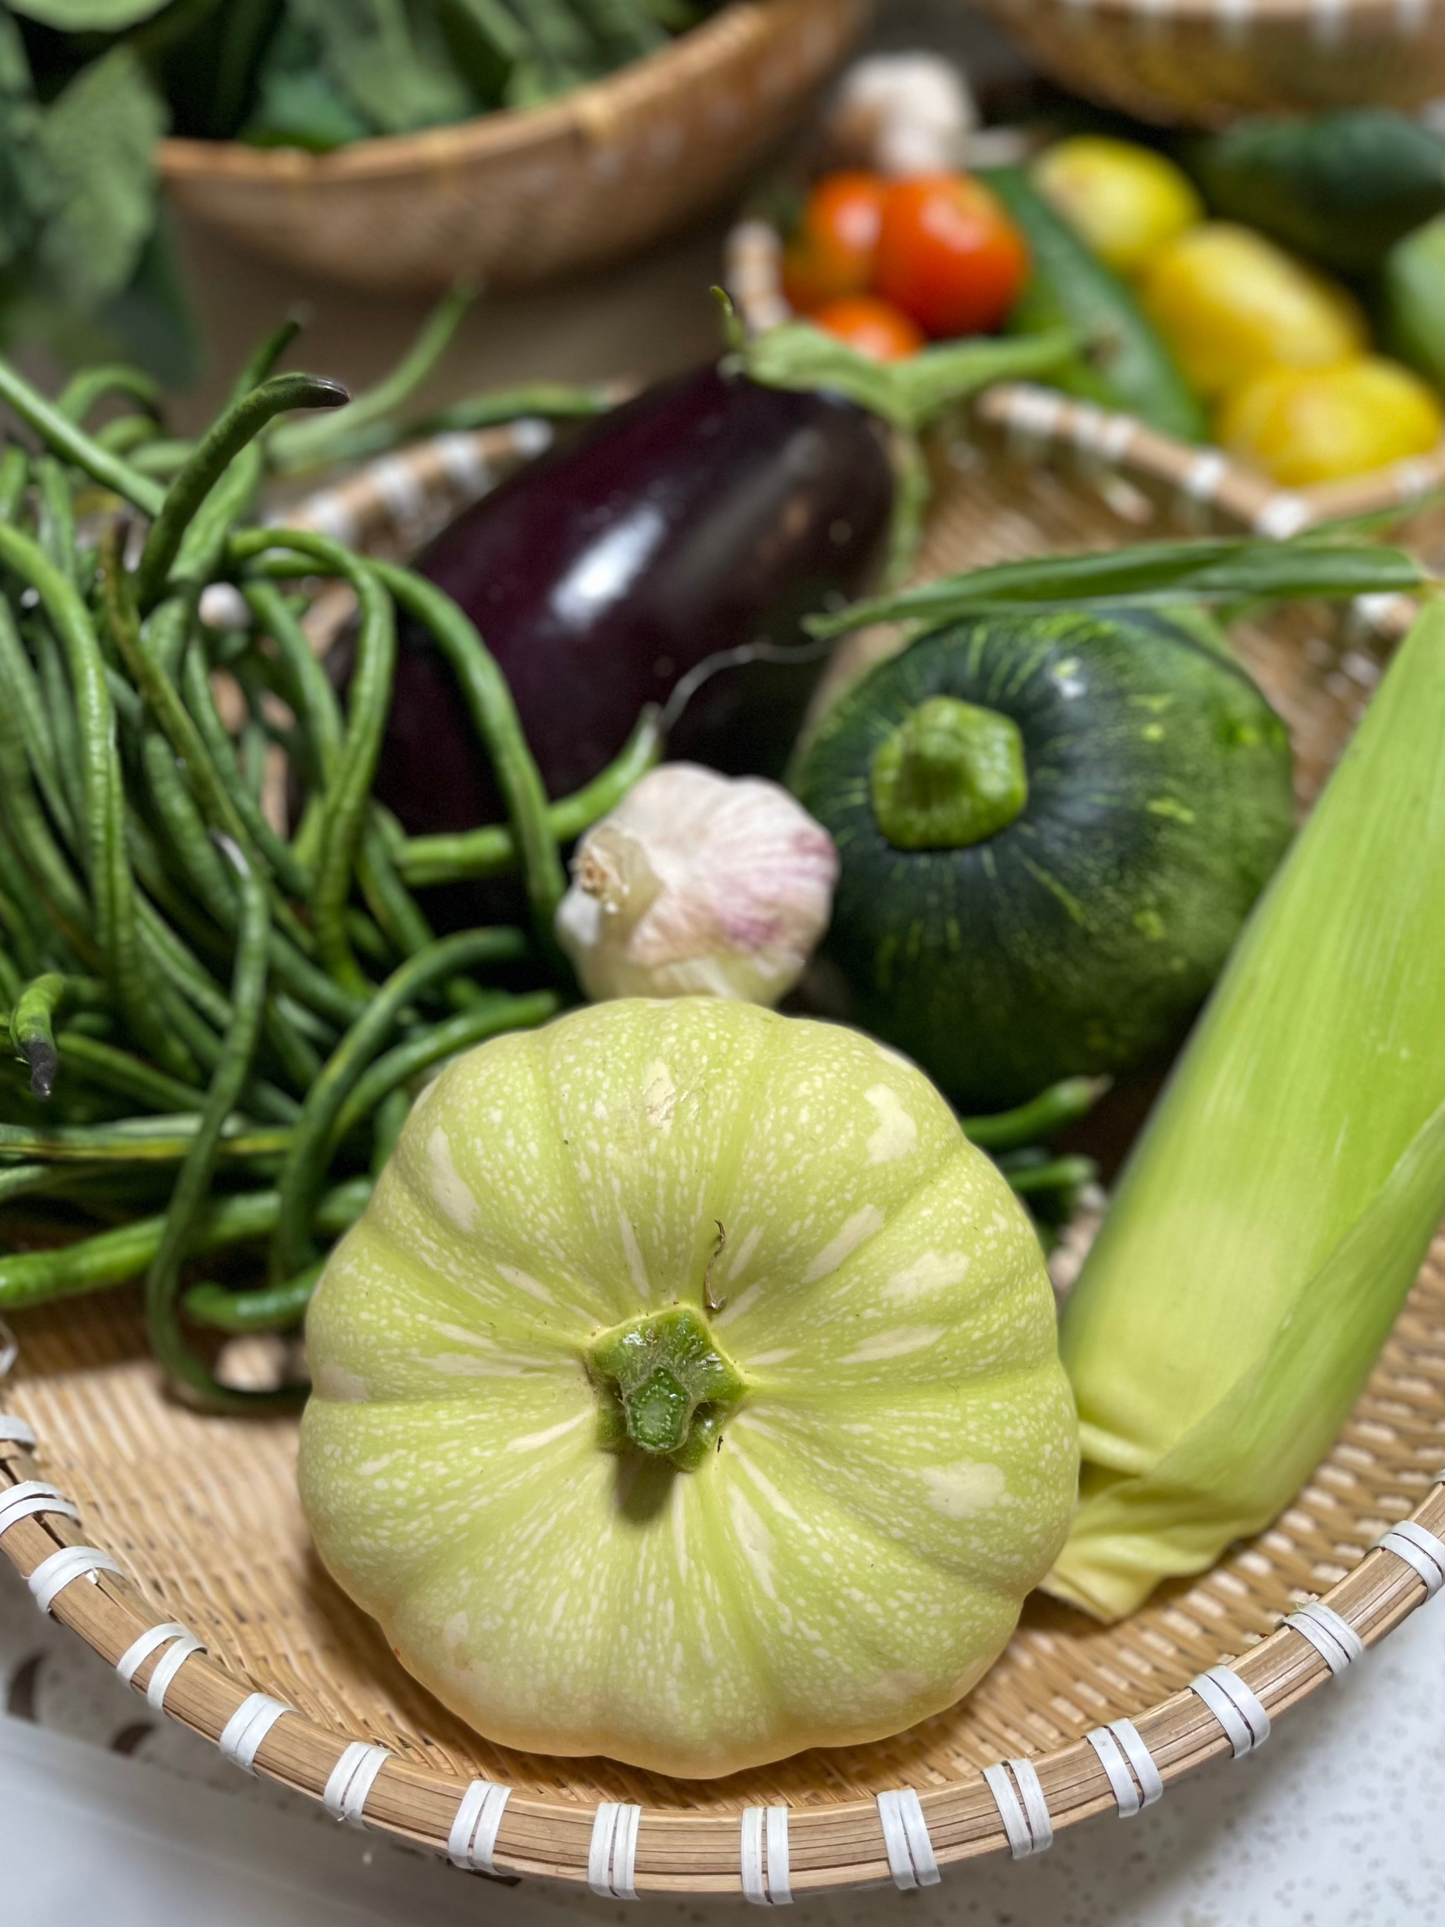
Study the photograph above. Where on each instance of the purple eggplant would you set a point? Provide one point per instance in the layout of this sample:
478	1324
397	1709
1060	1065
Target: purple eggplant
706	514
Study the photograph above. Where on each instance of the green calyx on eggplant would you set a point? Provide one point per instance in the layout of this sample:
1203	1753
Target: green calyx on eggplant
709	514
1076	928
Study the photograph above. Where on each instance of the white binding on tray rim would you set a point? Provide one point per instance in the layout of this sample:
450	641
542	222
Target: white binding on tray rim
1420	1549
906	1839
141	1648
1022	1807
243	1733
352	1779
30	1498
1120	1748
62	1568
1235	1705
766	1877
1333	1638
472	1842
612	1856
167	1666
15	1431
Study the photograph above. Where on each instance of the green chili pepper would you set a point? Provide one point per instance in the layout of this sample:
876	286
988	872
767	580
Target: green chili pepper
1039	1119
91	385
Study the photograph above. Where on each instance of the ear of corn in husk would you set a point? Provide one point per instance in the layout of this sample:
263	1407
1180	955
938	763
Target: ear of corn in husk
1275	1213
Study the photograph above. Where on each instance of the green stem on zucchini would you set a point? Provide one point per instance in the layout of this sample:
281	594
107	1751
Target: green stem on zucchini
949	775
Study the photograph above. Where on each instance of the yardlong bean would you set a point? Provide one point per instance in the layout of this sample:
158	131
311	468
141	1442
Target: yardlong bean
485	690
218	448
261	999
61	435
248	997
116	1257
310	1148
491	851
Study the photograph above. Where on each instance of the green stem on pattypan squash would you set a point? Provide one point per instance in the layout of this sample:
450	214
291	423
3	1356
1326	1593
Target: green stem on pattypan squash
666	1384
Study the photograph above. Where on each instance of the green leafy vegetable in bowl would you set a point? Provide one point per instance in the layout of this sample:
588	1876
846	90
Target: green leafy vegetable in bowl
87	87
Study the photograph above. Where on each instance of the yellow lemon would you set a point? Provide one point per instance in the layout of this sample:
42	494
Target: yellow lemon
1230	304
1125	202
1304	425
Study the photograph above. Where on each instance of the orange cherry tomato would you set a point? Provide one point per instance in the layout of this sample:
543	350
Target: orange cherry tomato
948	255
832	252
871	325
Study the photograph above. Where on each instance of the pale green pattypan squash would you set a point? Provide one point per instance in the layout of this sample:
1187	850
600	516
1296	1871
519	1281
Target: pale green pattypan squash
688	1392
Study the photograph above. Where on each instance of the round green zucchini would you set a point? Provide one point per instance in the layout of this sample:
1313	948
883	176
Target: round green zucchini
1051	830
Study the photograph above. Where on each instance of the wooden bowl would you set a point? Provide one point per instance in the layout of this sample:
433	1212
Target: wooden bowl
512	198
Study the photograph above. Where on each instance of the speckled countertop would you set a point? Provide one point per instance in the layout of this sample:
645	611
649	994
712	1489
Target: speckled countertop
108	1813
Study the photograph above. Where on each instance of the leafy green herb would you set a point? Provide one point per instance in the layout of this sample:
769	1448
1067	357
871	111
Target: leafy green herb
87	87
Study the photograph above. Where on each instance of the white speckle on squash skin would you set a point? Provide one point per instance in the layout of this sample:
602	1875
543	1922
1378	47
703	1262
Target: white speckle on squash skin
861	1225
659	1096
448	1188
335	1381
897	1132
894	1344
963	1490
929	1273
743	1256
633	1252
534	1441
525	1282
737	1307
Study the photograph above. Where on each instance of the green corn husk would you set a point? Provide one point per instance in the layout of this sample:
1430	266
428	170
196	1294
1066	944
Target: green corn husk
1278	1207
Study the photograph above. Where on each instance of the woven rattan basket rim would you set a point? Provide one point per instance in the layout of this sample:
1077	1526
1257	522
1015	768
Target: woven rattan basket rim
1104	438
697	1849
589	114
697	1852
1304	14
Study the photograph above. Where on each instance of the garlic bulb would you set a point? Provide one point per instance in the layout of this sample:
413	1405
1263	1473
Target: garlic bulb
903	113
698	884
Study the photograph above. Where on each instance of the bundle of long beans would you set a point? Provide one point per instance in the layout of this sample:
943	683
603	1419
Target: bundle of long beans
219	1018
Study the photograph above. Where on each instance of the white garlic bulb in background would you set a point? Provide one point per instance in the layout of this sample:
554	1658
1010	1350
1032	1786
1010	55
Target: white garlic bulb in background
698	884
903	113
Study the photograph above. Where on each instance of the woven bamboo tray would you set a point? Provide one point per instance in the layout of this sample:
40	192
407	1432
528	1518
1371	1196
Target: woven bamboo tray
1205	62
512	198
204	1567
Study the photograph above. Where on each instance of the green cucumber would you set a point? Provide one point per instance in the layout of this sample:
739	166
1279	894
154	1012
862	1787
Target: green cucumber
1051	828
1341	188
1412	300
1124	363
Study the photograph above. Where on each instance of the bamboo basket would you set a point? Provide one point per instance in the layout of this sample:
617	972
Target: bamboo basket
1207	61
201	1585
512	198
